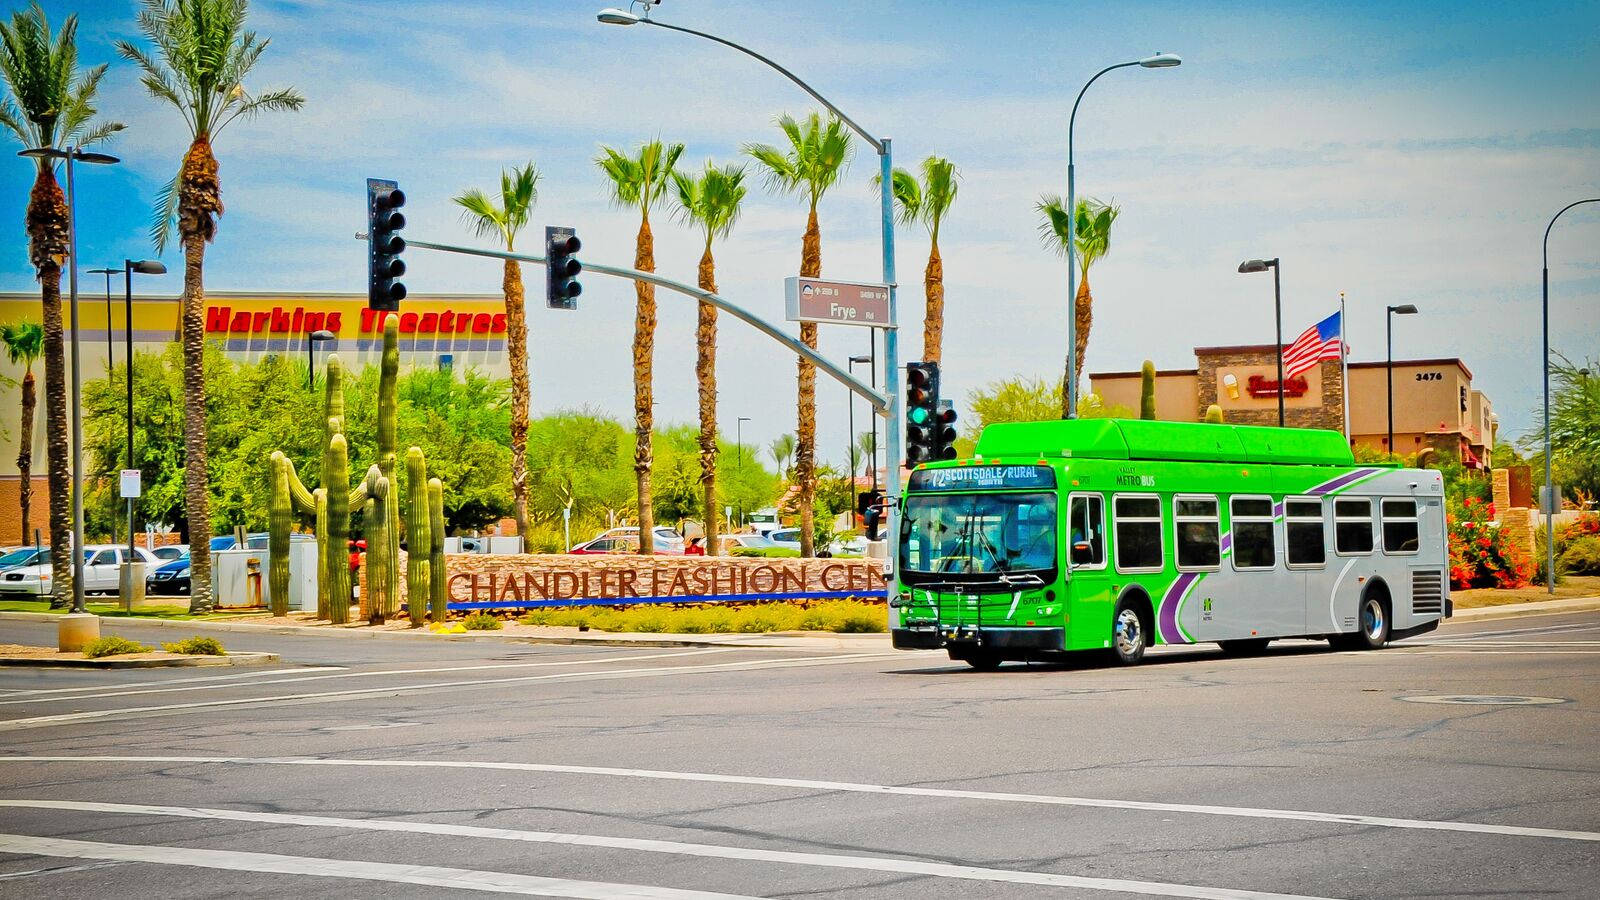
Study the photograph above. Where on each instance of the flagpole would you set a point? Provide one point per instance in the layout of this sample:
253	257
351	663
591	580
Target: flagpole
1344	367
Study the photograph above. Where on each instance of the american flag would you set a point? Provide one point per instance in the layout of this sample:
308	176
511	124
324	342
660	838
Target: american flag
1321	341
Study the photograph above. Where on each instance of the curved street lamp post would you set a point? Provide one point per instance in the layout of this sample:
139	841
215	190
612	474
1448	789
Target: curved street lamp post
1548	501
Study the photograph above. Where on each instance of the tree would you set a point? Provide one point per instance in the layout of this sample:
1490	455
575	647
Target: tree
519	192
814	160
638	182
1093	227
782	450
202	56
1574	428
1021	399
50	104
711	201
24	341
927	201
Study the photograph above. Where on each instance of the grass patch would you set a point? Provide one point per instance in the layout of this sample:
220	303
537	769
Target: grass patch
481	621
112	610
112	645
840	616
196	646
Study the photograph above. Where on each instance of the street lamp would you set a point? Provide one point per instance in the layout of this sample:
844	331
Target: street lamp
1544	365
130	267
850	398
1069	393
891	342
107	273
1404	309
81	155
1261	265
738	432
321	334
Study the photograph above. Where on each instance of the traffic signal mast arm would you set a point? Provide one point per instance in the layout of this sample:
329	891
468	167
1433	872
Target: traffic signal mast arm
879	401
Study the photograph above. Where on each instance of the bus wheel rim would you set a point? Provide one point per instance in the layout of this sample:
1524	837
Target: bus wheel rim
1373	618
1128	633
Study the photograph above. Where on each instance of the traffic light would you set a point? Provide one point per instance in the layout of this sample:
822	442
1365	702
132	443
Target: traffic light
944	431
561	269
384	244
922	407
870	505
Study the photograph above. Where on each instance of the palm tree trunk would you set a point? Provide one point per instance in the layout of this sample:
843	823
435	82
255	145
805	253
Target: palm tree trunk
933	318
517	351
805	460
199	200
705	373
644	345
47	233
25	450
1084	311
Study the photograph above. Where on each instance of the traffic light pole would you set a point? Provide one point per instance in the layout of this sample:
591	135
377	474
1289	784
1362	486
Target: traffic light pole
880	402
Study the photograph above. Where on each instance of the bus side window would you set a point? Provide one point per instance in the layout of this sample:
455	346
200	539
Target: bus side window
1399	526
1139	532
1197	532
1352	527
1303	524
1253	543
1088	534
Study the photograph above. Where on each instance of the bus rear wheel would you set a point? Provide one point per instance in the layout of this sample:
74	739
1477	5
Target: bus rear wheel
1128	634
1245	647
1373	632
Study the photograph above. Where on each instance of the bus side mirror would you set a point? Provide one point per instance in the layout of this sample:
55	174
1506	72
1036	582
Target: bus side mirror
1082	553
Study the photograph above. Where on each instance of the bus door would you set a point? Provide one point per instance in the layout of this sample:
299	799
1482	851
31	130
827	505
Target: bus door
1088	583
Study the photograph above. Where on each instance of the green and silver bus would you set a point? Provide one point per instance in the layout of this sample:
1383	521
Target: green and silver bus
1116	535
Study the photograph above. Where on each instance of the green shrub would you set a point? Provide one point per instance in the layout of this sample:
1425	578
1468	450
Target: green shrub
111	645
1581	557
482	621
196	646
767	552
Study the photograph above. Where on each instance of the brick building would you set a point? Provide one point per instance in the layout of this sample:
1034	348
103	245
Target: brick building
1435	404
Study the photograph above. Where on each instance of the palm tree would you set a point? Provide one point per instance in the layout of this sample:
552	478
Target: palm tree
638	182
814	160
519	192
782	450
927	201
1093	228
711	201
24	341
202	56
50	103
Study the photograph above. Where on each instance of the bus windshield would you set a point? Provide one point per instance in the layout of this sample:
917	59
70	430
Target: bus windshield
977	534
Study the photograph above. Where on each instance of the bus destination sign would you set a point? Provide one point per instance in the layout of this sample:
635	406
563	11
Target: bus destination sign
979	478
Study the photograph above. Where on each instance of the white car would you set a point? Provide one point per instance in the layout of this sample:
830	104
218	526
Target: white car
102	566
727	543
790	538
664	535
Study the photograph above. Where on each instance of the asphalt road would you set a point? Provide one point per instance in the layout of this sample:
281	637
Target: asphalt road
420	768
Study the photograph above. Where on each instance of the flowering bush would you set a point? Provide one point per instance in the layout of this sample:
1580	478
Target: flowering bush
1480	553
1587	525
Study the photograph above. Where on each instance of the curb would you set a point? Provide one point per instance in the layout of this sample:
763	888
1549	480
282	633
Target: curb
1517	610
767	642
240	658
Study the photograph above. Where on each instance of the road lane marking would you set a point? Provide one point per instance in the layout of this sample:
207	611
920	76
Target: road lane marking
390	690
854	788
269	678
259	673
432	876
712	851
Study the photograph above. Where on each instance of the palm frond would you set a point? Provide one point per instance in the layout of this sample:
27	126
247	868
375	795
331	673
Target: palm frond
778	168
479	211
940	185
23	341
165	214
906	193
1053	222
286	100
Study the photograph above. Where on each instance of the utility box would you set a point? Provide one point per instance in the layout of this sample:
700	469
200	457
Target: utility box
509	544
239	579
303	576
131	583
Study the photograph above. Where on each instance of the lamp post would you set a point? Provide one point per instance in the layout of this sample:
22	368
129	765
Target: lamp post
738	432
1261	265
81	155
321	334
891	342
1069	391
850	398
129	268
1544	366
1404	309
107	273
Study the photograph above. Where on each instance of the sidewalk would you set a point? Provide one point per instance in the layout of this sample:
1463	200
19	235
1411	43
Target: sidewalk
1538	608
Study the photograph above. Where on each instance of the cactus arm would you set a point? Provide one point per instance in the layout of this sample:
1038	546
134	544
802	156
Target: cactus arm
321	497
333	400
419	542
436	573
299	495
336	487
279	518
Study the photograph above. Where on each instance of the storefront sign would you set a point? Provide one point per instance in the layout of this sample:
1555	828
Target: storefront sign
297	320
1262	386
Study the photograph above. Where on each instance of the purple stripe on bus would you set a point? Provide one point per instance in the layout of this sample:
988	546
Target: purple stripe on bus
1168	617
1341	481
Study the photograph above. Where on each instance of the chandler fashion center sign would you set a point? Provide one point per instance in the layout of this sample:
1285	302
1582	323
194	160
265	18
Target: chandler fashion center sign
480	581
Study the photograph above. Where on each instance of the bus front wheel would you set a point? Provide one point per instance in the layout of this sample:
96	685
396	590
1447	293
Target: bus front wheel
1129	636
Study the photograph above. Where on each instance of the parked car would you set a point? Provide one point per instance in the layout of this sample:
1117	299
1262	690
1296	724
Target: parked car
171	551
622	544
171	577
790	537
664	535
785	537
223	542
102	567
727	543
18	556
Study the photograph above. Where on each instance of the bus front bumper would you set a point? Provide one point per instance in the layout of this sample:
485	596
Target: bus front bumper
935	637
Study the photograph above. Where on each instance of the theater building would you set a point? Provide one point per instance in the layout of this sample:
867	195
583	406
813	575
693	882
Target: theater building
1435	404
449	331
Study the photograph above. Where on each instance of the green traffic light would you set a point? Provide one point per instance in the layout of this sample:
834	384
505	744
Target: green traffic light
917	415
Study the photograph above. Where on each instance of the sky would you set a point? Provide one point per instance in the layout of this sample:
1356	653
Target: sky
1399	152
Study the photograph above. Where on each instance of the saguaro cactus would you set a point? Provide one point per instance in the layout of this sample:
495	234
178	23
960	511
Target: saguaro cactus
438	596
280	518
336	485
1214	414
321	498
419	541
1147	390
333	399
